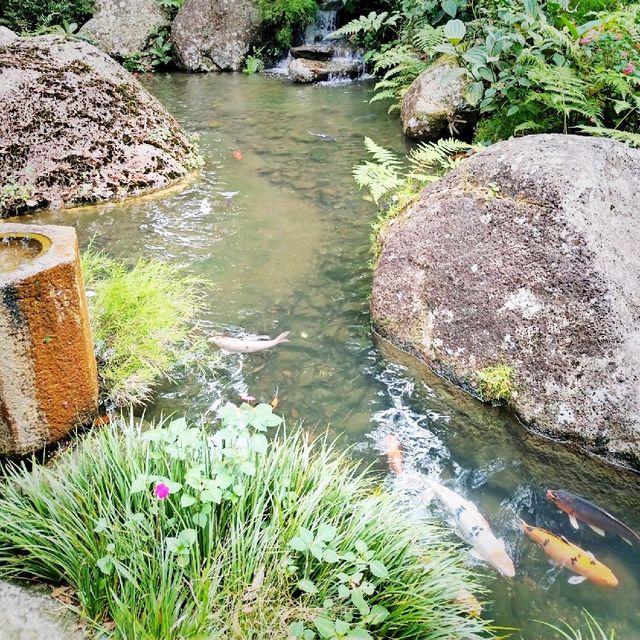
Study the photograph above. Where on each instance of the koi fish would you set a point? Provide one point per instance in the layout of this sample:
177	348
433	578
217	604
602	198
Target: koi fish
566	554
475	530
394	455
592	515
247	345
237	155
469	603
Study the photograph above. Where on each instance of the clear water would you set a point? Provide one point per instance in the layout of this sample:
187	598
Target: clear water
284	234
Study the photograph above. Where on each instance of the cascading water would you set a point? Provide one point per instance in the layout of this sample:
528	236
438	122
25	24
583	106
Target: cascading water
321	58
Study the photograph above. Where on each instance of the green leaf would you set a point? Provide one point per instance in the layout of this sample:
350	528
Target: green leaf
358	634
296	629
188	536
308	635
330	556
454	31
140	483
307	586
326	532
450	7
378	569
513	110
298	544
316	550
378	614
186	500
101	525
105	564
343	591
361	546
259	443
178	424
474	93
532	7
325	627
359	602
341	627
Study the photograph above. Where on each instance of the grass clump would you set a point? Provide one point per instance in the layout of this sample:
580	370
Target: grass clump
143	322
181	533
593	631
495	383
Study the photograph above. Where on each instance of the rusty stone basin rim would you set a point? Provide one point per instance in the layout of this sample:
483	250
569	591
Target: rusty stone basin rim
51	244
17	249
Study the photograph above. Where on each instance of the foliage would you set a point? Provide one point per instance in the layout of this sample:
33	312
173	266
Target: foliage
171	6
180	532
495	383
28	16
393	184
594	630
281	19
254	62
530	66
143	323
159	47
14	197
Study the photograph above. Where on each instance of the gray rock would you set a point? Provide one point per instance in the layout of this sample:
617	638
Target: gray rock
214	35
26	614
7	36
121	27
434	106
76	127
306	71
313	51
527	255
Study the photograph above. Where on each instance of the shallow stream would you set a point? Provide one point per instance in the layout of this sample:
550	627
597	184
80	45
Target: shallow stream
276	223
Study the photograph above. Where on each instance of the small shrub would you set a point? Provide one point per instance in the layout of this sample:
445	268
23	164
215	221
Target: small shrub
281	19
143	323
254	63
26	16
495	383
179	532
14	197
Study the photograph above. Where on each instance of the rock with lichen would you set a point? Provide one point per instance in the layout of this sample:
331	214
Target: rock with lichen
434	106
77	128
113	30
214	35
518	274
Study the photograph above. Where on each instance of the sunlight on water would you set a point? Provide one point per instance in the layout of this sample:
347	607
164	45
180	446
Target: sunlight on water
276	223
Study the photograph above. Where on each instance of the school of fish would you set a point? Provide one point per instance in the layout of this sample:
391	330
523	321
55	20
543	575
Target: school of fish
473	528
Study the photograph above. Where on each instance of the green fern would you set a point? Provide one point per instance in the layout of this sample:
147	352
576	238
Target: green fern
382	176
632	139
562	90
367	24
430	160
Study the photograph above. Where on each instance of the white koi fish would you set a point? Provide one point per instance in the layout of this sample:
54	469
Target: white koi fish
247	345
475	530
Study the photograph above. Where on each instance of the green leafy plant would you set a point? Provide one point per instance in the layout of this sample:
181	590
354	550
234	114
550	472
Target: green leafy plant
15	197
254	62
120	521
171	6
143	322
159	47
29	16
281	19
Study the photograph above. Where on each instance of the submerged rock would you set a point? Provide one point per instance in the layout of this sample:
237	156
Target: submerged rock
306	71
434	106
214	35
113	30
76	127
526	256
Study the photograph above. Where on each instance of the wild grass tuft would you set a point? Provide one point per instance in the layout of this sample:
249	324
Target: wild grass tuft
593	631
82	523
495	383
143	322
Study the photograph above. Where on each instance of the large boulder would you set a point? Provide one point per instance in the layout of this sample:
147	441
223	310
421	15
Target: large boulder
7	36
523	264
214	35
76	127
114	31
434	107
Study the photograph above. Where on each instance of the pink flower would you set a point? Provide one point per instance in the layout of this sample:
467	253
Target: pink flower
249	399
585	40
629	69
161	491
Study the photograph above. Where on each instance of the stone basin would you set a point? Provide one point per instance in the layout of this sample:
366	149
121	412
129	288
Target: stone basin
48	378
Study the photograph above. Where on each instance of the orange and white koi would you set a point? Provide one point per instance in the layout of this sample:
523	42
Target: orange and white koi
394	455
566	554
472	527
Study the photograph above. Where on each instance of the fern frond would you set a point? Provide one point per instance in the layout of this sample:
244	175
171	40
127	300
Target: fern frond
632	139
428	37
430	160
381	155
379	179
366	24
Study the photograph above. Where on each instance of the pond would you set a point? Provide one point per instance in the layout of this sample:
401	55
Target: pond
278	226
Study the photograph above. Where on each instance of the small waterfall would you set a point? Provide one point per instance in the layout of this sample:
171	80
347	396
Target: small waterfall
325	24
